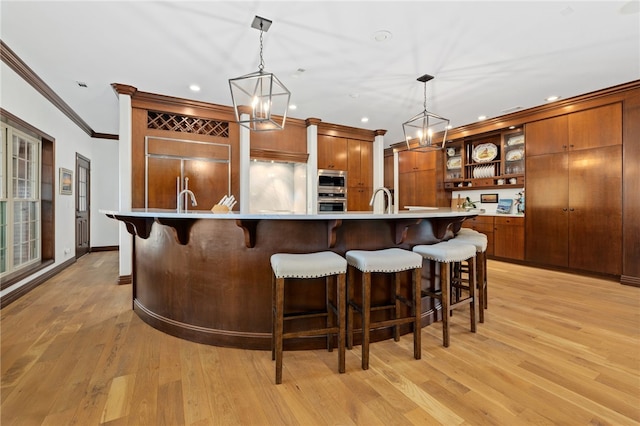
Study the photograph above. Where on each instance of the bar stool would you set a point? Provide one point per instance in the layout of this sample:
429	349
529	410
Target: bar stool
392	260
445	254
480	241
308	265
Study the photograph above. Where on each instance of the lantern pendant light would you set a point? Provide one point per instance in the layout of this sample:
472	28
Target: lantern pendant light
260	100
425	131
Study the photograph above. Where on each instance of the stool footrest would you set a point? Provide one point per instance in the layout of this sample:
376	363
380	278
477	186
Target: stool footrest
391	322
310	333
298	315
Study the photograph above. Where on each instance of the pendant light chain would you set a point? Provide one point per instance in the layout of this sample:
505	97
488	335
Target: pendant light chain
261	66
425	97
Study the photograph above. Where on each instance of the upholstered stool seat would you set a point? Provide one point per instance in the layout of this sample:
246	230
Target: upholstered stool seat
302	266
388	261
480	241
445	254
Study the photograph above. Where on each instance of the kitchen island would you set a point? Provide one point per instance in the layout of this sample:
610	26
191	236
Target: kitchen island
206	277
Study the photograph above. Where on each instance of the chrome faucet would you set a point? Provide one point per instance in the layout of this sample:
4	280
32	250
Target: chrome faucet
387	194
182	195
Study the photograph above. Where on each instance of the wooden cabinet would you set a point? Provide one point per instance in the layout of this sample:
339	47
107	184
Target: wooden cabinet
417	178
359	174
483	224
505	235
574	194
493	160
508	237
332	152
388	171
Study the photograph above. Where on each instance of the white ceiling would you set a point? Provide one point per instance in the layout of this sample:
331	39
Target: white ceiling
487	57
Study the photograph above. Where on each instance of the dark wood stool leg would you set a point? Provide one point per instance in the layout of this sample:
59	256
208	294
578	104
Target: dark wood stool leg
416	311
396	289
472	293
279	325
350	282
340	301
445	286
273	317
330	314
482	303
366	318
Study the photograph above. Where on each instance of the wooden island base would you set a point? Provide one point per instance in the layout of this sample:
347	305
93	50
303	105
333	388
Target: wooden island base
208	280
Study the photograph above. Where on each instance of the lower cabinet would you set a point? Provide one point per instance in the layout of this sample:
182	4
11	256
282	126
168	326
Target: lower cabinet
505	235
508	237
483	224
358	198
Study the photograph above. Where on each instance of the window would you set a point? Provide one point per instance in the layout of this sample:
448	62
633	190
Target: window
20	225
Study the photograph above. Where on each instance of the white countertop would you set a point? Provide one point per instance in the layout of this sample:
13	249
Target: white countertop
206	214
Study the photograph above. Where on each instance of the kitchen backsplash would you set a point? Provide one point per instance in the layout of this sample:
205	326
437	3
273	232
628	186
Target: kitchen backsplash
277	187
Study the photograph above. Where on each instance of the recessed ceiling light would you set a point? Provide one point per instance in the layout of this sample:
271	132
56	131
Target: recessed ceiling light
552	98
194	88
293	106
364	119
482	117
382	36
354	95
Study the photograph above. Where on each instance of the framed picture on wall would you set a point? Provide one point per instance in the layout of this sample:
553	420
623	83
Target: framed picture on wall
66	181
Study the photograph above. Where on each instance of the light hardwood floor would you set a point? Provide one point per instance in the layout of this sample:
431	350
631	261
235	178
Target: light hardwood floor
555	349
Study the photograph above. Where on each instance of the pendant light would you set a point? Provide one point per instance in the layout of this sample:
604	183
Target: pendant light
427	129
260	95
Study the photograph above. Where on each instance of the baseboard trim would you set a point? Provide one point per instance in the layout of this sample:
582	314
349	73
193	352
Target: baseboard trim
125	279
629	280
26	288
105	248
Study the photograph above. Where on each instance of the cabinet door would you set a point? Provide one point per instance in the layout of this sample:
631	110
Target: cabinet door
162	185
425	160
546	136
406	195
508	237
359	163
406	162
388	171
485	225
425	188
358	199
596	127
209	182
546	211
332	153
595	209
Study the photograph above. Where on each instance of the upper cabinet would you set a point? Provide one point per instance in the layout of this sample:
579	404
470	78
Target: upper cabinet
491	160
332	152
591	128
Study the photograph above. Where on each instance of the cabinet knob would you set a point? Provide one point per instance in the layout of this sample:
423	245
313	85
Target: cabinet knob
571	209
564	210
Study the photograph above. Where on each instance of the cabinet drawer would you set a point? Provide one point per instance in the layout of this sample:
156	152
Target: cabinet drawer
478	220
515	221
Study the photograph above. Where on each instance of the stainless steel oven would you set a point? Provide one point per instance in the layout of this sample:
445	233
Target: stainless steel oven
332	191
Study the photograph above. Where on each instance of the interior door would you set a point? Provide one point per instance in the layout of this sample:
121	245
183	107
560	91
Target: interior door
83	174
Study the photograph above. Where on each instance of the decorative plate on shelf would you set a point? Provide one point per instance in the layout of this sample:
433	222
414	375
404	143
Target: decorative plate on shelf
451	152
515	154
516	140
484	152
454	163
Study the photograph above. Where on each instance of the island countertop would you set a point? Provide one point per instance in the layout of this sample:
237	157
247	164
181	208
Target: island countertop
206	276
426	213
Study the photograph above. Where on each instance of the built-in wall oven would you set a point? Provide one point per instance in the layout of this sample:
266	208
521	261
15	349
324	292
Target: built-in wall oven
332	191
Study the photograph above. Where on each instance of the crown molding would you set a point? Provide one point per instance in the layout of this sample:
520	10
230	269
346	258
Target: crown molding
14	62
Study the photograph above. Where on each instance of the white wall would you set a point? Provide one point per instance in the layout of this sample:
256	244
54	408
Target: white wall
104	192
21	100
